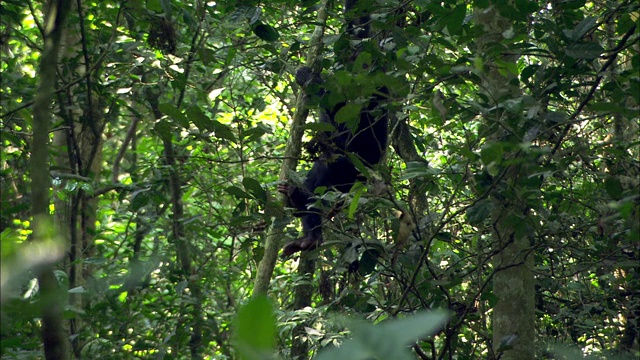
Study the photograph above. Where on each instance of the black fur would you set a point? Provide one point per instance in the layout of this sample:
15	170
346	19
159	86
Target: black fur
333	167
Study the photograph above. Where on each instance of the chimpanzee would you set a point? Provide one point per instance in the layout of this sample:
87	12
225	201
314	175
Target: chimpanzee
366	140
334	167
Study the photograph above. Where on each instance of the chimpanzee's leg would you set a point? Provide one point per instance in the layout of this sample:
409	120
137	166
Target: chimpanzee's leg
301	199
311	233
338	172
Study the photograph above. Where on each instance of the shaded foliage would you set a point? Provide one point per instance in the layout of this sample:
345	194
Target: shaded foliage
216	81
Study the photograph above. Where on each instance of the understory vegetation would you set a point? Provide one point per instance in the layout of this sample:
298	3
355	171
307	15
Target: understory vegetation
143	143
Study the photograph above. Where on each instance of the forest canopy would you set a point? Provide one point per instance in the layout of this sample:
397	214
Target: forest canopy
367	179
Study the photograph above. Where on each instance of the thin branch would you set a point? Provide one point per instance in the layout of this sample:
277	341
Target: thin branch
592	91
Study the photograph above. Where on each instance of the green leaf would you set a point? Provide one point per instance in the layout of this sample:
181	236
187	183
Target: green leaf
175	114
582	28
456	18
387	340
509	11
255	329
587	50
529	72
624	24
164	129
237	192
349	114
556	117
266	32
189	19
207	55
357	162
605	107
526	7
223	131
253	186
490	297
614	188
506	68
153	5
479	212
397	85
256	132
491	153
166	8
139	199
368	261
199	119
363	62
358	188
417	170
77	290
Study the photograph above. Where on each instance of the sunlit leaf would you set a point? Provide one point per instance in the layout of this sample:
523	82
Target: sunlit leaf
357	189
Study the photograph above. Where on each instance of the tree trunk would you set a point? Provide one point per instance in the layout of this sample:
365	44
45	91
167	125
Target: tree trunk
182	247
513	281
52	296
303	295
292	153
79	144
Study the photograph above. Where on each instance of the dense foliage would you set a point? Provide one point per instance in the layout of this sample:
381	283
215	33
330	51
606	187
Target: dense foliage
171	121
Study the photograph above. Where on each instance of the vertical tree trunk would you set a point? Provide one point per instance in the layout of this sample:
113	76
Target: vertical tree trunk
293	150
513	283
81	136
292	153
303	296
52	296
182	247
